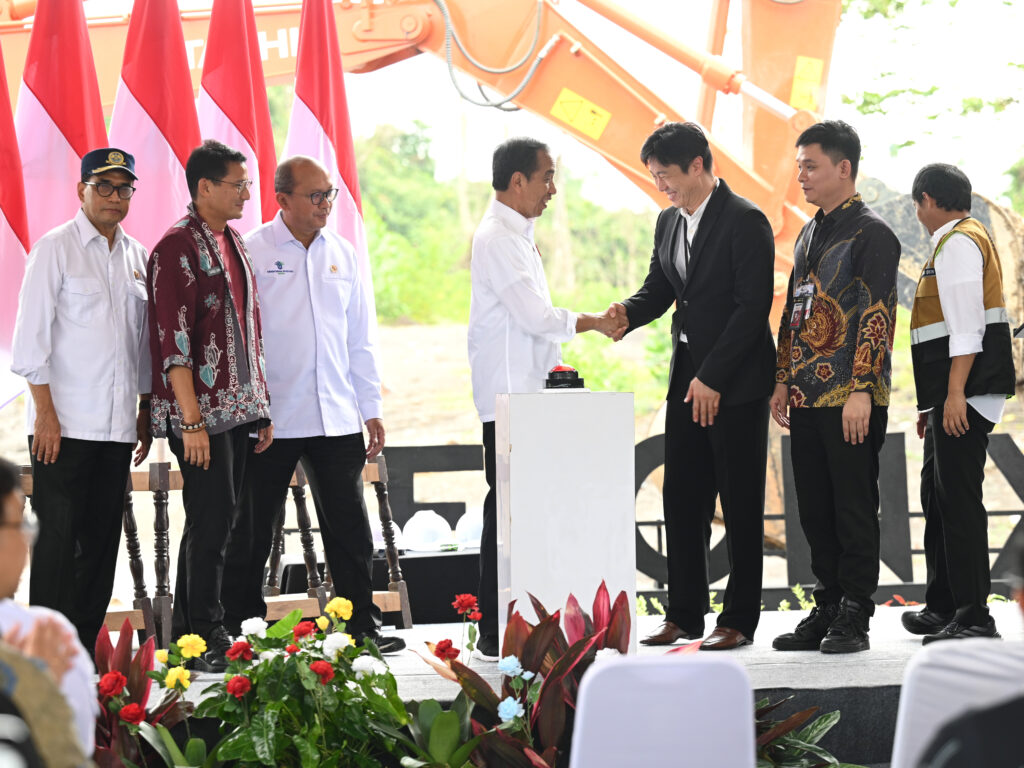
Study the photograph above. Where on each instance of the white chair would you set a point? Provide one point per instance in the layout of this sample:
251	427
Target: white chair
668	711
946	679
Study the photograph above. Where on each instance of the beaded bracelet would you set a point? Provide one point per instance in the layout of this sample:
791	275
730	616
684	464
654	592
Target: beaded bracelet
199	426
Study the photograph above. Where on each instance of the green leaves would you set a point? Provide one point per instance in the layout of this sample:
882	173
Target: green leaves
284	626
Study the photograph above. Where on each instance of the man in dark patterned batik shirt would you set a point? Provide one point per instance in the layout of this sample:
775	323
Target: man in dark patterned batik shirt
832	385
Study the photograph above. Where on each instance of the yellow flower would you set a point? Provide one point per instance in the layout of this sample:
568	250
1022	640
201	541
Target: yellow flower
323	623
161	655
340	608
178	676
191	646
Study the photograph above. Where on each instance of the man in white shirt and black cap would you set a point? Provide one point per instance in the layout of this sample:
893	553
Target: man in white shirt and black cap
515	334
81	341
324	385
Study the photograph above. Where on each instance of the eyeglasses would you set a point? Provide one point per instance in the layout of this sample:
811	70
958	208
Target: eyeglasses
318	197
106	189
240	186
28	524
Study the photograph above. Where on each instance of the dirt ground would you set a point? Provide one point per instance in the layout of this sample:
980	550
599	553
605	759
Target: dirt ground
428	401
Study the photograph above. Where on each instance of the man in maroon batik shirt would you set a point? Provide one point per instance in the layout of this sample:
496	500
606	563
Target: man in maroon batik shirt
209	385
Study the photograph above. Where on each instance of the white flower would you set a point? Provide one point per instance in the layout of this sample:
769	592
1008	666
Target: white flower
510	666
510	709
254	626
334	643
368	665
607	653
268	655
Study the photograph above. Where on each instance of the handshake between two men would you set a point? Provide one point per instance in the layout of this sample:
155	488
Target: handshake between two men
613	322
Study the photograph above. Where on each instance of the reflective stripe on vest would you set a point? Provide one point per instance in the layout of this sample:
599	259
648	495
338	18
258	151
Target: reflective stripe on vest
939	330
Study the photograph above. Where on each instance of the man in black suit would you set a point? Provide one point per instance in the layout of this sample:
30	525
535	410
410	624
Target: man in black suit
714	255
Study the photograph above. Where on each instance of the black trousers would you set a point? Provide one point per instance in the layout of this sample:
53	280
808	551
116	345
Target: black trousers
956	524
334	467
487	594
79	500
727	461
211	497
837	495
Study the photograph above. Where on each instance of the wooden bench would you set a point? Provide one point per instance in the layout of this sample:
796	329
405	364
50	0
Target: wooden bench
152	616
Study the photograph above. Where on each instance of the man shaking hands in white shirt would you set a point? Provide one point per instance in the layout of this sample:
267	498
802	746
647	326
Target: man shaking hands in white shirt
515	334
324	385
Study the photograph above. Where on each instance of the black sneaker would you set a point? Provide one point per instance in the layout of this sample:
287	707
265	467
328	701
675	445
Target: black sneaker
849	632
810	632
957	631
925	622
385	643
487	648
218	641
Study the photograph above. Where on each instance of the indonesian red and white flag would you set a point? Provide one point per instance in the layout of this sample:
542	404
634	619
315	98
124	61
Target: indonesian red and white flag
14	242
59	116
320	128
154	118
233	105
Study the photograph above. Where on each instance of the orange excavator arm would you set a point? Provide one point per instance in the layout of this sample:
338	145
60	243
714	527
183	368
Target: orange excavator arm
529	54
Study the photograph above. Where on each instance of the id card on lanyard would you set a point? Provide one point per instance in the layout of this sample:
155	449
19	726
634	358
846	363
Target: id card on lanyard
804	292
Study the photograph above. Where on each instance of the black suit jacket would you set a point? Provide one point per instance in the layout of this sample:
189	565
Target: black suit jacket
724	304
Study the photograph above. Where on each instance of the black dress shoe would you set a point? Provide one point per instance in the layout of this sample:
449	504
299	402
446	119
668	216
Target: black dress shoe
487	648
668	633
385	643
925	622
215	659
957	631
848	633
810	632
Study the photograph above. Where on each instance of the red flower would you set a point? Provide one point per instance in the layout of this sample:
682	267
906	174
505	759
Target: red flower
302	629
475	616
239	685
292	648
132	713
464	603
324	670
444	650
112	683
240	650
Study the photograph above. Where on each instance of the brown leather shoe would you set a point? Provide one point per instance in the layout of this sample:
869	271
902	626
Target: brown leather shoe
724	639
668	634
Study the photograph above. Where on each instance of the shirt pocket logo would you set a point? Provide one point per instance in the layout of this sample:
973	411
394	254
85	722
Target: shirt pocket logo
81	299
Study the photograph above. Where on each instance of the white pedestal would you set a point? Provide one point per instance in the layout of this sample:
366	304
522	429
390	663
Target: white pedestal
566	510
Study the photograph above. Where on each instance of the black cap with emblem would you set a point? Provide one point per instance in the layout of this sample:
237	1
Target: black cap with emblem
107	159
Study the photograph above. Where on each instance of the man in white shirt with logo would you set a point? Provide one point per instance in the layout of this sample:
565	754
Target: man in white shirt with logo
81	340
323	380
515	334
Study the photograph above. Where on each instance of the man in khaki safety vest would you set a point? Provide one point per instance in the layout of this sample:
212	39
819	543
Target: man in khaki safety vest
963	370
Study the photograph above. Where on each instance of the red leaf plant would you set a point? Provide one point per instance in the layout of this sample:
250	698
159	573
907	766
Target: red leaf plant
552	664
124	705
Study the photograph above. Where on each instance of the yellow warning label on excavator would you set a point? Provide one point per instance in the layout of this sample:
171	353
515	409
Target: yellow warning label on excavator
806	83
583	115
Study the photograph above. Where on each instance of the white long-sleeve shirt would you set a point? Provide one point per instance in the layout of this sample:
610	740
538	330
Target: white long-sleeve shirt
515	334
77	684
958	273
82	328
321	362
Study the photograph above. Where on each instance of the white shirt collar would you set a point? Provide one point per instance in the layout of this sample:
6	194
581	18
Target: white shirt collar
512	218
941	231
86	230
284	235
